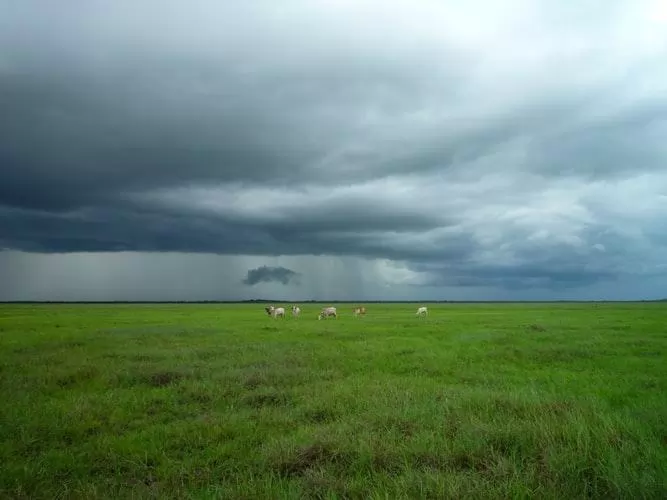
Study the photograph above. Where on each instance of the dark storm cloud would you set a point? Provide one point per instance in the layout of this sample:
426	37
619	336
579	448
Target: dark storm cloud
266	274
144	230
559	271
522	263
488	151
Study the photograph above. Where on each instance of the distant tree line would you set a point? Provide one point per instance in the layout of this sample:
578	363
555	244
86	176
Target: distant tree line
276	301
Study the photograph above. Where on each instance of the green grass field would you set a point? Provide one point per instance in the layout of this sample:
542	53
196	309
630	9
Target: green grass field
477	401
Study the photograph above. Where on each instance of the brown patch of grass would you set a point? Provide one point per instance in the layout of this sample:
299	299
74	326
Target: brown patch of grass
320	415
405	352
75	378
206	355
558	408
155	407
457	462
198	395
254	381
164	378
428	461
465	462
155	379
510	407
310	457
387	462
142	358
543	467
502	445
649	384
266	399
93	430
319	484
561	354
405	428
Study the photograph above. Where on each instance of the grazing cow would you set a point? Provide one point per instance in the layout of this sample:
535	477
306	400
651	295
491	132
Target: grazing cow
296	311
359	311
275	311
422	311
326	312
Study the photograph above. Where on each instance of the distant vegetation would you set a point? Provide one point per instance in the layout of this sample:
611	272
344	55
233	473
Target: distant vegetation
549	401
282	301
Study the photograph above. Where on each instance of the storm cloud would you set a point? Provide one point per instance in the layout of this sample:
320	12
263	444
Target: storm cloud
266	274
443	150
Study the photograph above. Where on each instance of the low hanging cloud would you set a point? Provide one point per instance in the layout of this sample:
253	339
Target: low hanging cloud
266	274
519	150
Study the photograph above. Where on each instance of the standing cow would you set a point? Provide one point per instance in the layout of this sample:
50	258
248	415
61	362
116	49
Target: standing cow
327	312
422	311
296	310
359	311
275	311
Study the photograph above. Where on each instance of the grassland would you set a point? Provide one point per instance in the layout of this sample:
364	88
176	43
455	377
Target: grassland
220	401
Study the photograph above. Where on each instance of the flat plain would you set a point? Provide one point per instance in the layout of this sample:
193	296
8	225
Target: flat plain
549	401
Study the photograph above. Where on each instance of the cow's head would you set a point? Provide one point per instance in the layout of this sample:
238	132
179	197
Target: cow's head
269	310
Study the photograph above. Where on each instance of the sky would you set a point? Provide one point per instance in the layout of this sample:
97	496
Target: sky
333	150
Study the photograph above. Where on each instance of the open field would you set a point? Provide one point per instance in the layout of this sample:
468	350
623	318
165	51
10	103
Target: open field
220	401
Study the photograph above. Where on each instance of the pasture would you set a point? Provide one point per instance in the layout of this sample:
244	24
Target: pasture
547	401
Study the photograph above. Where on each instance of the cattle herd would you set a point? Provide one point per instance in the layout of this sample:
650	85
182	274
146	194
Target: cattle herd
327	312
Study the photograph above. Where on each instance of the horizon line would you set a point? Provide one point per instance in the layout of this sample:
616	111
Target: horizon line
254	301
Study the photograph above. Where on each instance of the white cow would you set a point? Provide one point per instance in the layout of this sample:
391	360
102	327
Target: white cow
296	310
359	311
422	311
279	311
326	312
275	311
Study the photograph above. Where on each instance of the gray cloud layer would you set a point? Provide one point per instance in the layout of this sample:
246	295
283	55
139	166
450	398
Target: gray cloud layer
519	149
